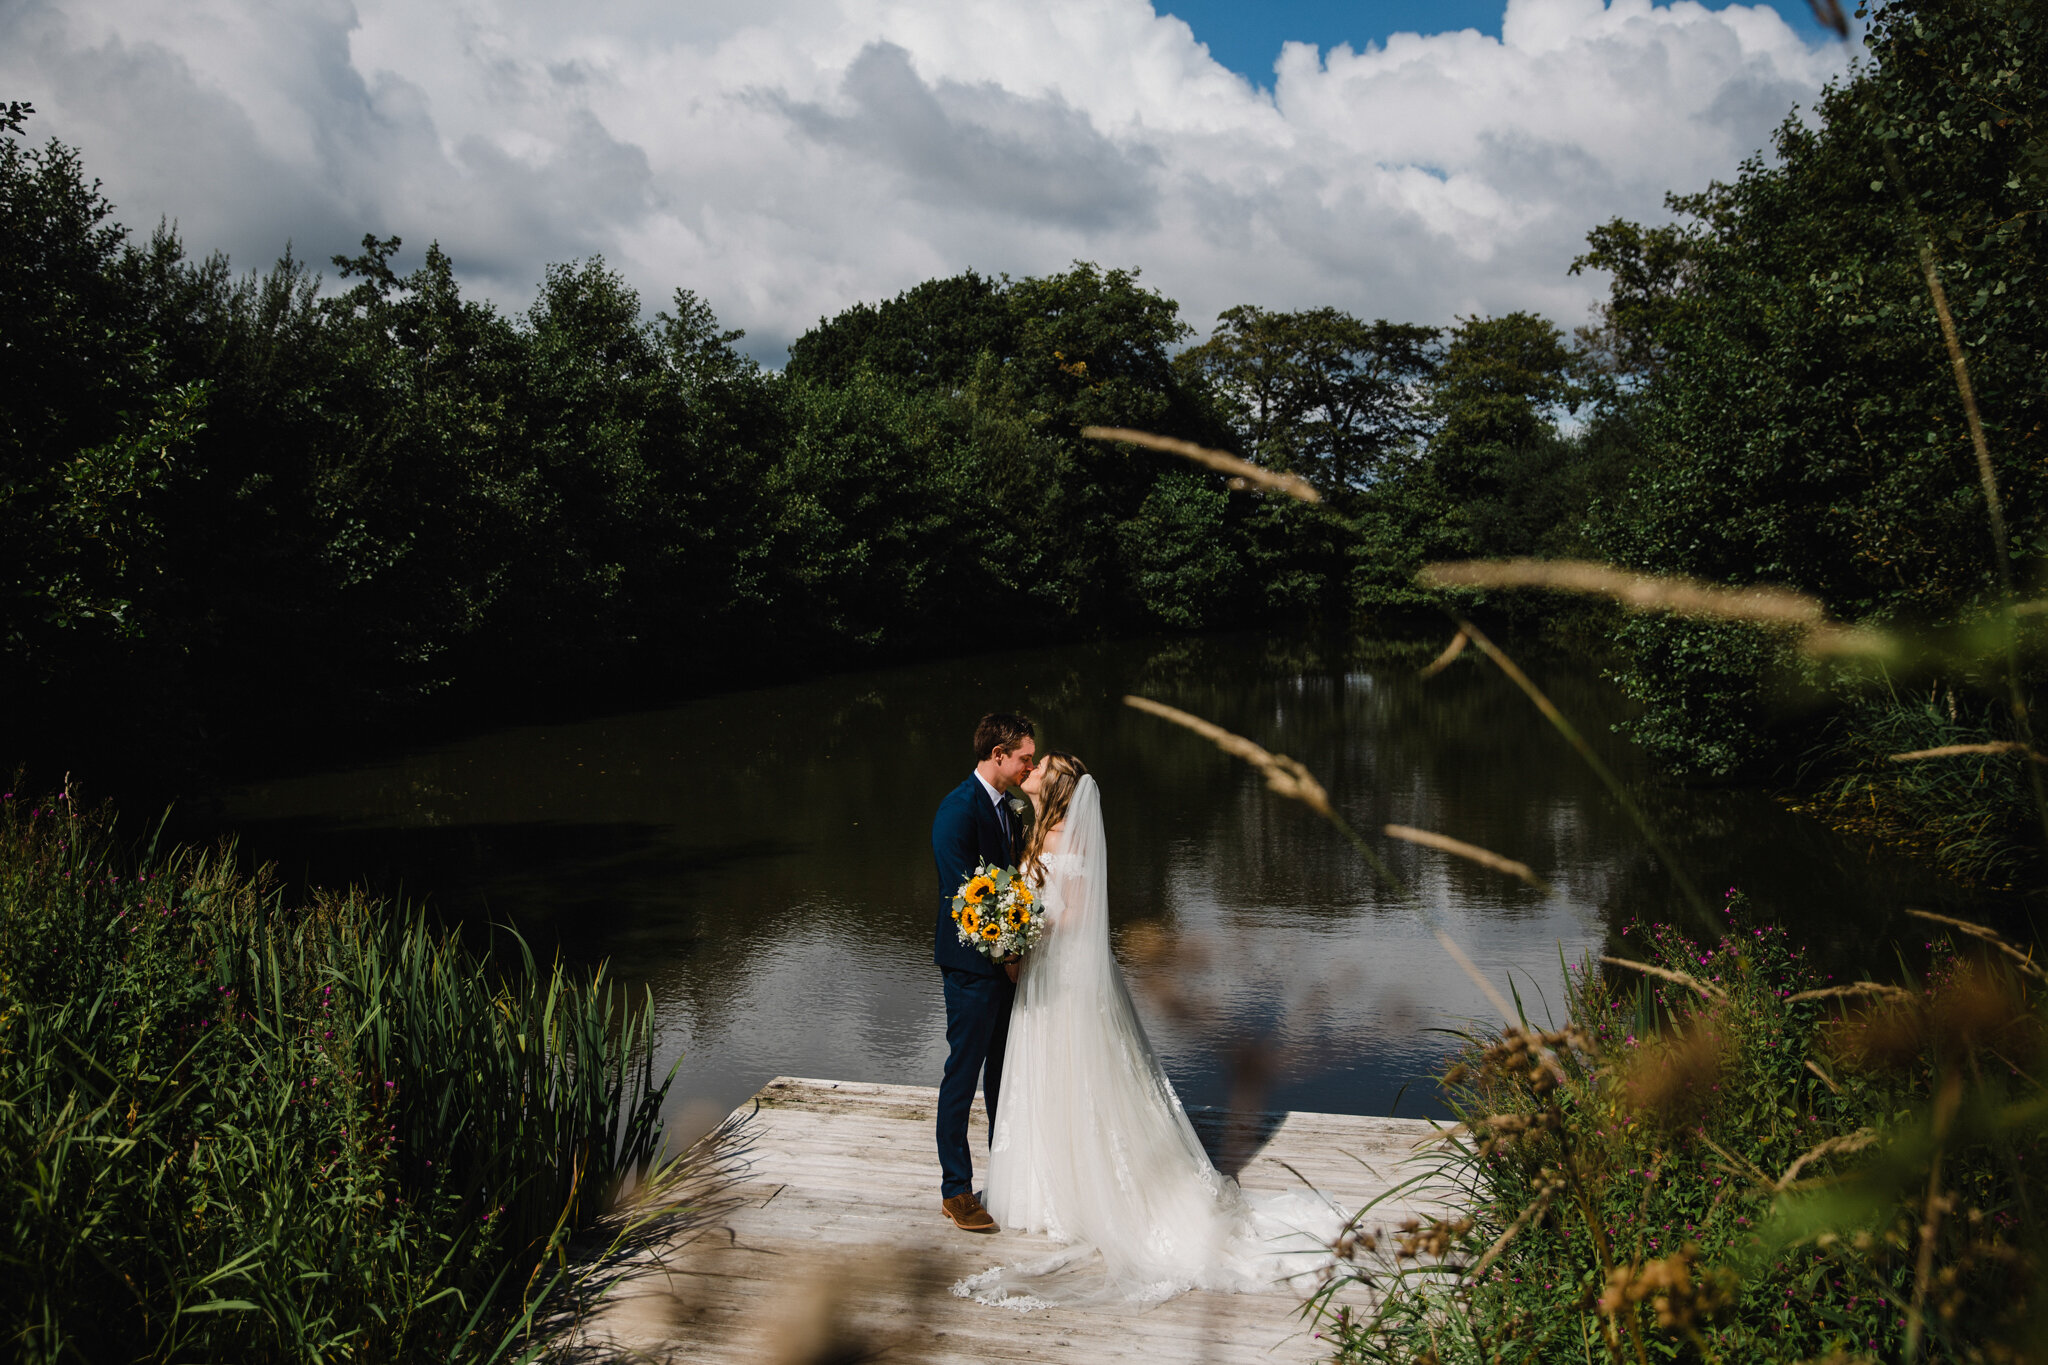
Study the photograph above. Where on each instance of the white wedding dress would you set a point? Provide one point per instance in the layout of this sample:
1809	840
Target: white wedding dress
1091	1144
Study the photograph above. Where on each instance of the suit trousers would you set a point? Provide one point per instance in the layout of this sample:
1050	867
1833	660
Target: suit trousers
977	1027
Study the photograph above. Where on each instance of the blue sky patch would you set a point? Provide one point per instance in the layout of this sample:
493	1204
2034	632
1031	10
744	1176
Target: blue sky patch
1247	37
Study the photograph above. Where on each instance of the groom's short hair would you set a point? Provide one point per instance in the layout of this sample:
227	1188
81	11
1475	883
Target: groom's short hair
999	730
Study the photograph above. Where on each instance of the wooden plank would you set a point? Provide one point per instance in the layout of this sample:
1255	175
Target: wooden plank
838	1234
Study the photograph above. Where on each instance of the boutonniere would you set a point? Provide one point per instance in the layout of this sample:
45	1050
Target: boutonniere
1019	805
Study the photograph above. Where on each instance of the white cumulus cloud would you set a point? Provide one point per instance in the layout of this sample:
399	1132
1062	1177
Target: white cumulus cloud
787	157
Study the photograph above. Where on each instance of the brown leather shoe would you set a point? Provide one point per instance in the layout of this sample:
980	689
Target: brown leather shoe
967	1213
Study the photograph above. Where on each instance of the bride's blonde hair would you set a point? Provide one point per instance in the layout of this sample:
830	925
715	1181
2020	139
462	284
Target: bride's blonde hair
1062	773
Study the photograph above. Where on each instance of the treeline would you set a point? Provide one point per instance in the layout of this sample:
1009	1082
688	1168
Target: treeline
246	507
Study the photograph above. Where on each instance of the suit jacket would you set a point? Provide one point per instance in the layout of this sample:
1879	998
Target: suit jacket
967	831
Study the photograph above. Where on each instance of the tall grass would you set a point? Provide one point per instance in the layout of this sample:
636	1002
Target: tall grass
1971	814
232	1129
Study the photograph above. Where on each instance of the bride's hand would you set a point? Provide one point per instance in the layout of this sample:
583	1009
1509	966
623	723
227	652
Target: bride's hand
1013	968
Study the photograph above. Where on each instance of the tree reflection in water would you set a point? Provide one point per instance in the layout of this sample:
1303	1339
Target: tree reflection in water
762	859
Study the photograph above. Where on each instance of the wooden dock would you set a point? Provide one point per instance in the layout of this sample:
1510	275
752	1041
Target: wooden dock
833	1246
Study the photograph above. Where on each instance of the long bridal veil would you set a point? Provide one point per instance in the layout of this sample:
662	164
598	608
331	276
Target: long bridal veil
1091	1144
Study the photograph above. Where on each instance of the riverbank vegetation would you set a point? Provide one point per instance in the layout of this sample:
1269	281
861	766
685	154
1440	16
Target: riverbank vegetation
236	1129
1733	1161
1712	1152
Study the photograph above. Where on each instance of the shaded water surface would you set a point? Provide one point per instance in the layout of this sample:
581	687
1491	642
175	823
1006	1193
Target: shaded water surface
762	860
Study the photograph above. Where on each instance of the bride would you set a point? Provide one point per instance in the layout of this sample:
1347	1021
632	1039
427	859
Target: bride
1091	1144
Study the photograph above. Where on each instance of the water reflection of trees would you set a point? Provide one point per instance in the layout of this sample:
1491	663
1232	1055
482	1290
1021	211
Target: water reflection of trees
687	843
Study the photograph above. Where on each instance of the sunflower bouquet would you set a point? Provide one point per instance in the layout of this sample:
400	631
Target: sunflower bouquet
996	912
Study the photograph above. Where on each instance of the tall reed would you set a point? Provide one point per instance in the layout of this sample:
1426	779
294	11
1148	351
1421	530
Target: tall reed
232	1129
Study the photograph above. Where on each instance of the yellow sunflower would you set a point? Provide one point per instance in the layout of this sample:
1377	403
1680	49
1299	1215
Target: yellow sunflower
969	919
976	889
1024	896
991	931
1016	917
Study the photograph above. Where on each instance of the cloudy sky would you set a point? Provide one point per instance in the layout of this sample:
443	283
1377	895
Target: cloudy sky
787	157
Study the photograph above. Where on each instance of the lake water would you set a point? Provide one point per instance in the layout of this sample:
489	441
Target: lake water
761	860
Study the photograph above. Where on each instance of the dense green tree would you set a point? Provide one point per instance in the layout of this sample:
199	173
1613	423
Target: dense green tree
427	491
1491	397
1078	536
930	336
1493	475
874	522
1648	269
1318	391
241	508
1801	423
95	439
1095	347
1186	571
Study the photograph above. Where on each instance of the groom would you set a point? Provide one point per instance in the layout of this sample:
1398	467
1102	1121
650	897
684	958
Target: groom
975	823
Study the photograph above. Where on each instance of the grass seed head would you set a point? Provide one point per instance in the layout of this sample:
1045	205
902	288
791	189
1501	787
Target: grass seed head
1978	1006
1675	594
1666	1080
1243	473
1430	1241
1284	775
1679	1291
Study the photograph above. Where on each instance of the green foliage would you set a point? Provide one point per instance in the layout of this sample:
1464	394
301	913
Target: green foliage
864	514
95	435
918	492
1649	270
932	335
1318	392
1494	444
1477	466
1798	418
1093	347
240	509
236	508
1731	1162
1498	378
237	1131
1182	563
1973	816
1728	714
1541	491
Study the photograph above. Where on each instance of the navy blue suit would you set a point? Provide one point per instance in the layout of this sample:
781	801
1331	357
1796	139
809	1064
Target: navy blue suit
967	831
